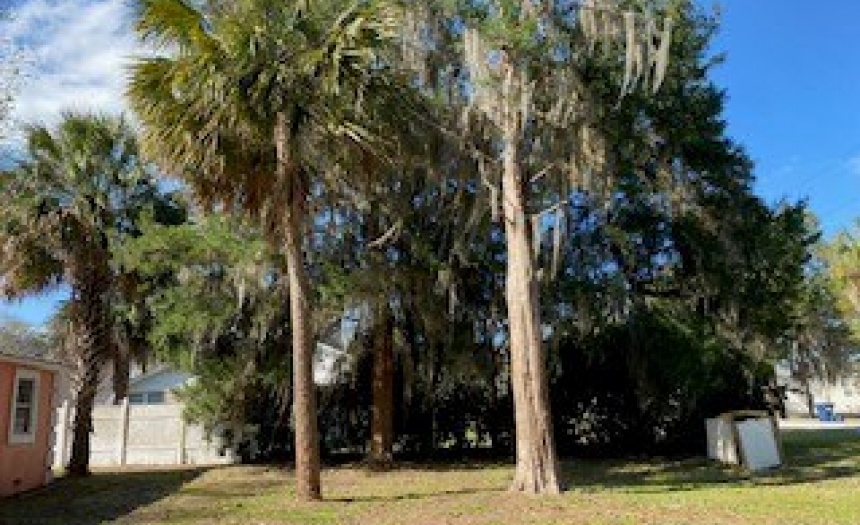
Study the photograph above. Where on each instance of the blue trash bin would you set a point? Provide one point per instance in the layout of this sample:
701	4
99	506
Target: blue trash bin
824	411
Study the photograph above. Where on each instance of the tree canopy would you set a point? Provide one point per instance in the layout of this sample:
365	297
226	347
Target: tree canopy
507	227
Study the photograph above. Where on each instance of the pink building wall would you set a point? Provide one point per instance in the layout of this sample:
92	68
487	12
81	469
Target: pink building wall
25	466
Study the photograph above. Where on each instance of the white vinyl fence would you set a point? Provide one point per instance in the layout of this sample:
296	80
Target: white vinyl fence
141	435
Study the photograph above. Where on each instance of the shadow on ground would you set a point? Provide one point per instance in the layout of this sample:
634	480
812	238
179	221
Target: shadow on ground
102	497
810	456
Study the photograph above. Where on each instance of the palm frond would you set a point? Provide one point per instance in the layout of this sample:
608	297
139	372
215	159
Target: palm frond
172	24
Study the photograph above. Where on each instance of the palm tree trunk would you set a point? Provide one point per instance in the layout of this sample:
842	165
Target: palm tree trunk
382	408
90	278
537	466
79	461
304	391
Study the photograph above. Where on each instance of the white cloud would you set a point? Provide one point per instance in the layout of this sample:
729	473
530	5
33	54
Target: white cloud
80	52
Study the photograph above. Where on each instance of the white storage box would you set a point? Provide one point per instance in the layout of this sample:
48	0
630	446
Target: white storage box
747	437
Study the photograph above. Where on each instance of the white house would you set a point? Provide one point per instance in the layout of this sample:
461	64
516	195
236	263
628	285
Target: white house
843	392
155	387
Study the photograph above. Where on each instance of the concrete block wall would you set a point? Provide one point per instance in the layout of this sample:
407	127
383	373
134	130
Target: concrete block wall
143	435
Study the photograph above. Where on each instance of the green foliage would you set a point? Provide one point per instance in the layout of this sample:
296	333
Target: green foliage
676	287
823	339
646	384
218	306
841	257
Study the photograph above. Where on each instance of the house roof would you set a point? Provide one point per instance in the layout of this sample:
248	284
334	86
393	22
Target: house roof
35	362
21	340
163	378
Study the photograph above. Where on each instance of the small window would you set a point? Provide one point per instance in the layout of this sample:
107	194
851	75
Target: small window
155	398
24	407
146	398
135	399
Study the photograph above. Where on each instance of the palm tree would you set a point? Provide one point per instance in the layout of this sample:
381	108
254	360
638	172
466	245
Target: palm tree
243	104
74	194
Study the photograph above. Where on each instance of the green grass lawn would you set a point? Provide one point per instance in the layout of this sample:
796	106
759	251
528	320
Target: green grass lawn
820	486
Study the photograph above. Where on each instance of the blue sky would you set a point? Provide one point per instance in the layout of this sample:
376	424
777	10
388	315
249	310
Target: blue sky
792	75
793	80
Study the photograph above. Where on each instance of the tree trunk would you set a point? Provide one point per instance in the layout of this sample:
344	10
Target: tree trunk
79	461
121	370
382	409
810	399
90	279
537	466
304	391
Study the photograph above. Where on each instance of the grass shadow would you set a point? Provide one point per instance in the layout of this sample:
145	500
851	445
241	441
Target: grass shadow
818	455
811	456
99	498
